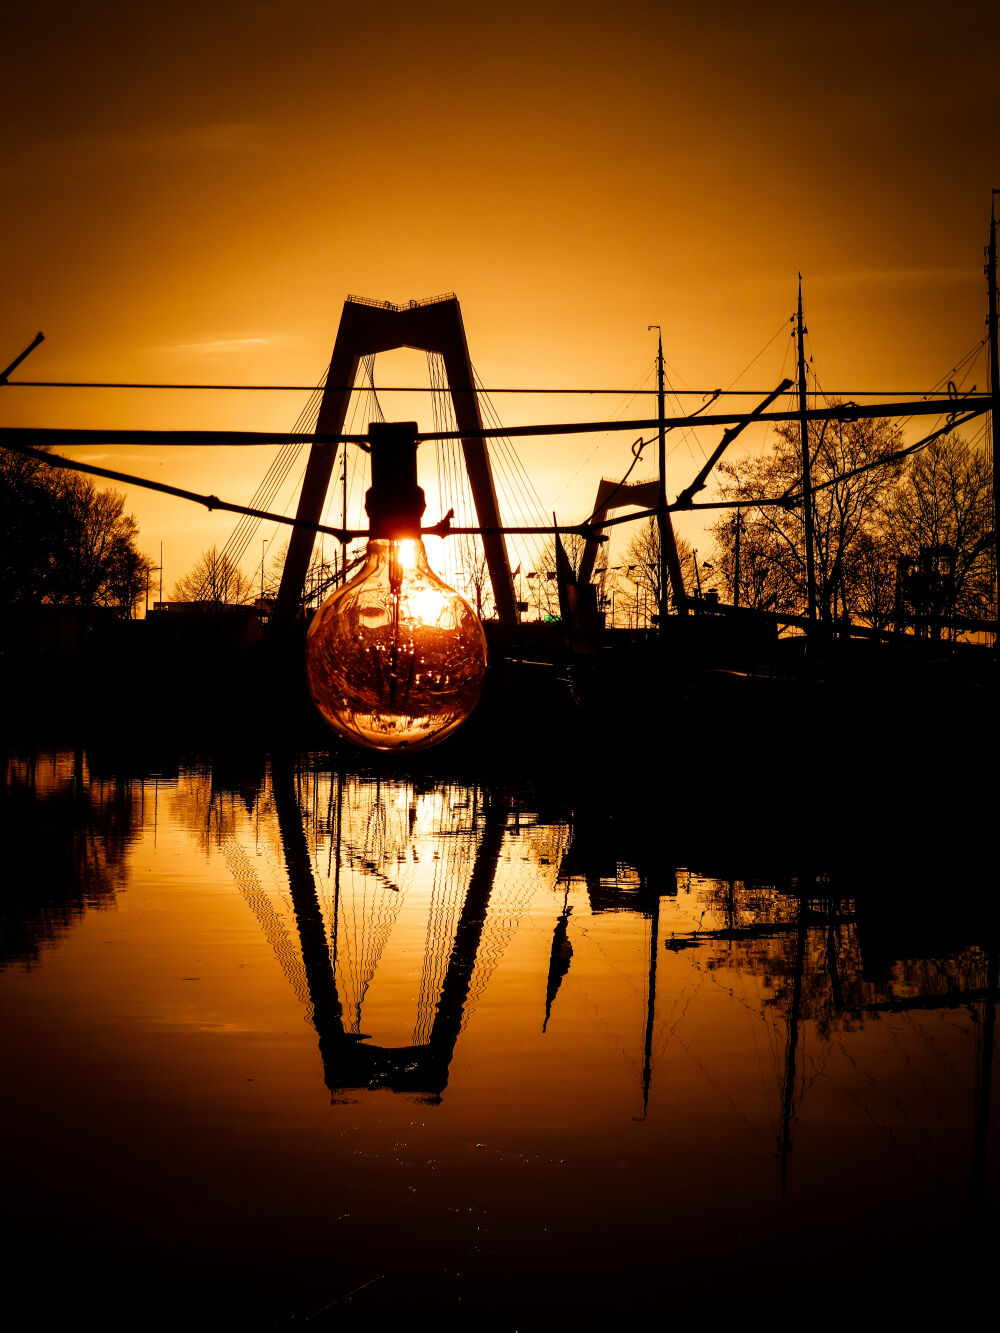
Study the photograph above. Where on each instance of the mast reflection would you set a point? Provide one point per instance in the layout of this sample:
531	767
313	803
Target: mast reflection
835	961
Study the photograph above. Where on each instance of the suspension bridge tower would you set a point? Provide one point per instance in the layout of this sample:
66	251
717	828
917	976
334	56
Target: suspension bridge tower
366	328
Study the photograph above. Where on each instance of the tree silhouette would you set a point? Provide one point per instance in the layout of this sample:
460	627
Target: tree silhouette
943	506
929	516
477	585
214	578
642	566
847	507
62	540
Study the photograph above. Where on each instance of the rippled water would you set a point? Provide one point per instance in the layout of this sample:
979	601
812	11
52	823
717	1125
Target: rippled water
291	1046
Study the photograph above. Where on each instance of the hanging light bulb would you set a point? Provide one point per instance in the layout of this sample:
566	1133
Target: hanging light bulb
395	658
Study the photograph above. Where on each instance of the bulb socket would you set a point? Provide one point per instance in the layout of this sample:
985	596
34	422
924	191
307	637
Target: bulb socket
394	503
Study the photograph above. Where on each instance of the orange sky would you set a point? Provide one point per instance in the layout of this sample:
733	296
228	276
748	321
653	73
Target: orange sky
193	190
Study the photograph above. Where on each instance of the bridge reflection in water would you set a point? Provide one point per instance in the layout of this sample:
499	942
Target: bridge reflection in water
349	1059
806	1030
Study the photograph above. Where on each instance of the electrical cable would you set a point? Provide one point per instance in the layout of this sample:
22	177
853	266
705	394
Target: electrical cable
423	388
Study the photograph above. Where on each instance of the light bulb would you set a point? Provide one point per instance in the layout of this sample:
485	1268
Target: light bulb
395	658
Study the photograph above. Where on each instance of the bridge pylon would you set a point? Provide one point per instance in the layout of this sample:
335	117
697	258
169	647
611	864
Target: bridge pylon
368	327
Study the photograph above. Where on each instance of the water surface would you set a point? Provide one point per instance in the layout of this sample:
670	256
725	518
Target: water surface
287	1045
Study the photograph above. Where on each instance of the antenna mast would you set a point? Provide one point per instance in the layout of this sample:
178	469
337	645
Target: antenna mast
661	498
807	505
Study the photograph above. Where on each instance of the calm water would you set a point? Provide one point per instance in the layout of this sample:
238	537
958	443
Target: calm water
286	1046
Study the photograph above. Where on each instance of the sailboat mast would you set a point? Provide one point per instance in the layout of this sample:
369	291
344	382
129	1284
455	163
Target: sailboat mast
670	561
792	1044
661	499
806	467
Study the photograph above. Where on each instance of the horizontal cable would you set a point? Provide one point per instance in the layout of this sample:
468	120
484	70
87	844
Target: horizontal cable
17	439
427	388
11	436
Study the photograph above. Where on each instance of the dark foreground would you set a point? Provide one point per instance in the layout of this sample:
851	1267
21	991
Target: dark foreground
639	1027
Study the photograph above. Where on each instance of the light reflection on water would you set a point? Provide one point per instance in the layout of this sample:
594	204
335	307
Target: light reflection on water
283	1041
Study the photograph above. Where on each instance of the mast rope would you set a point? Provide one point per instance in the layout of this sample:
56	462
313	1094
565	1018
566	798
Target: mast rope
622	407
685	431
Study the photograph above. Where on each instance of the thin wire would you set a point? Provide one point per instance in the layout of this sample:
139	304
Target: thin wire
357	399
516	484
369	365
504	440
247	528
584	460
685	435
777	335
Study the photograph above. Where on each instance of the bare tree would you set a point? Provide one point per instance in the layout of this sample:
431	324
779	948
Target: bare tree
852	465
30	530
744	555
103	564
477	580
642	568
214	578
543	591
63	540
322	576
873	583
943	507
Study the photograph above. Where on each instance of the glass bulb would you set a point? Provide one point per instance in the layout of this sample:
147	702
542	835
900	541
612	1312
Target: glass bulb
395	658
